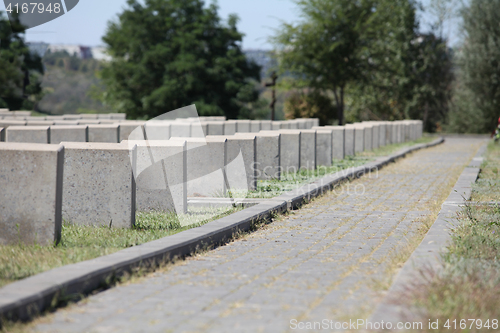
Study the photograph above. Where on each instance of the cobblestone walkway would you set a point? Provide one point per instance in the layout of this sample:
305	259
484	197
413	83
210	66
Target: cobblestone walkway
319	263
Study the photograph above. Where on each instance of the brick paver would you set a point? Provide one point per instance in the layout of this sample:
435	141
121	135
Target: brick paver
318	263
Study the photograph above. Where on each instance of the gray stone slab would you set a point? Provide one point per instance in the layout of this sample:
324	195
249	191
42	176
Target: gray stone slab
206	158
104	133
290	150
78	133
255	126
359	139
368	137
155	130
230	127
6	123
31	195
307	149
160	175
323	147
180	130
275	125
215	127
99	187
31	134
241	157
66	122
127	128
267	155
243	126
349	140
265	125
72	116
39	123
375	135
338	140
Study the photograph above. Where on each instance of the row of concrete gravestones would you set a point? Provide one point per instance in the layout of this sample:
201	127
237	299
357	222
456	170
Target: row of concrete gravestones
94	183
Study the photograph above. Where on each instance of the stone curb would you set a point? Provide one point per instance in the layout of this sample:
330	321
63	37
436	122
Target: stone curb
427	254
28	297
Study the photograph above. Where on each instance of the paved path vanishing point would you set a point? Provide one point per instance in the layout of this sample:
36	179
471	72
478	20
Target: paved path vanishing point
319	263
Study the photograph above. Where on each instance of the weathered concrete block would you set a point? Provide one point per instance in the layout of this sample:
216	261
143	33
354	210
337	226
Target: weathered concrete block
338	140
275	125
289	150
302	123
118	116
265	125
215	127
382	133
255	126
99	186
230	127
240	161
375	134
104	133
33	134
87	122
160	175
284	125
359	138
72	116
293	124
349	140
155	130
31	196
243	126
180	130
307	149
267	163
67	122
88	116
323	147
368	137
78	133
7	123
206	158
39	123
127	128
22	113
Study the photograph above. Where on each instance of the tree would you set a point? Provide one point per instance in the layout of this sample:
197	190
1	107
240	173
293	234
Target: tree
477	97
326	50
171	53
20	70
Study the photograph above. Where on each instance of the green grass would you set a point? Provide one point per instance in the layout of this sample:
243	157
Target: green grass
468	285
79	243
290	181
390	149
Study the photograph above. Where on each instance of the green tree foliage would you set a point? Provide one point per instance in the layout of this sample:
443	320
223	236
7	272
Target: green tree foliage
477	94
172	53
20	70
302	104
70	84
371	57
325	51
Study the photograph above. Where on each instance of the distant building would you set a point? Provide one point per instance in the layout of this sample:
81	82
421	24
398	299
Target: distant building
82	52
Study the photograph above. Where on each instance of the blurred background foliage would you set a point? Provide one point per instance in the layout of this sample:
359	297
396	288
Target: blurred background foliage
343	61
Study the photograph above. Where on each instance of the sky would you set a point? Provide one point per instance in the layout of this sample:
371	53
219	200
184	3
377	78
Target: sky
86	23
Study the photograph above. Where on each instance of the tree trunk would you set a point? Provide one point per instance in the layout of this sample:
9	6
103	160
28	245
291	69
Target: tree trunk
340	105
